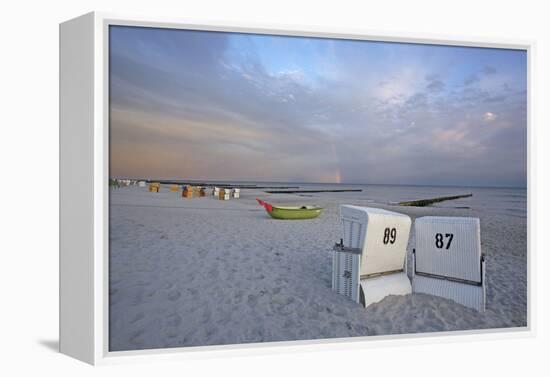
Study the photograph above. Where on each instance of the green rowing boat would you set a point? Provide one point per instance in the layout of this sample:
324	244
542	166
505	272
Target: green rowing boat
291	212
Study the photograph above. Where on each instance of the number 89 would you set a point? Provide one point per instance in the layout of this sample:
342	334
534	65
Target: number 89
389	235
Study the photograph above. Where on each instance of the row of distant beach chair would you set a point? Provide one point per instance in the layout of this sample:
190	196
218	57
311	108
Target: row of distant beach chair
370	261
189	191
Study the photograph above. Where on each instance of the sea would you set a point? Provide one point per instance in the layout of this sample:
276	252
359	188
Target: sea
498	200
508	201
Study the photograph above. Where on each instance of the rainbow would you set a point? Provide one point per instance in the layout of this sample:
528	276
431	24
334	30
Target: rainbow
337	172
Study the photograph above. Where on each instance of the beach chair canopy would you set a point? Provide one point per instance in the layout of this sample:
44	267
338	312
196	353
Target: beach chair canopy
381	235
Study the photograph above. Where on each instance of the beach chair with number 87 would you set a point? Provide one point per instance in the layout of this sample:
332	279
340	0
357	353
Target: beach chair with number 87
447	260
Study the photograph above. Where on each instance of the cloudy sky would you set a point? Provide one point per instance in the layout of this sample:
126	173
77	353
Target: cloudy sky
228	106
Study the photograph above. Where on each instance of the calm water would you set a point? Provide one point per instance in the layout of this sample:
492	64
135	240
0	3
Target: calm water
504	201
507	201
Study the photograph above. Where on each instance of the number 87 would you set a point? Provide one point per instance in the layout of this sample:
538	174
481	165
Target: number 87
439	240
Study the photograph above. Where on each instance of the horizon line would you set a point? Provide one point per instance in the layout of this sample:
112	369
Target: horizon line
323	183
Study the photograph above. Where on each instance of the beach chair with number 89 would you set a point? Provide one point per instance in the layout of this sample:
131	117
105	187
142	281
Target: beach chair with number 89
369	262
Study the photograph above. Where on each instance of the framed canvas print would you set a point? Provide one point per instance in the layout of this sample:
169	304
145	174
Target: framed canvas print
229	186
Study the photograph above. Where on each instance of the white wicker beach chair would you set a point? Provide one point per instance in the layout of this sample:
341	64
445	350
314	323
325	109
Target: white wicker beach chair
448	261
236	193
224	194
369	262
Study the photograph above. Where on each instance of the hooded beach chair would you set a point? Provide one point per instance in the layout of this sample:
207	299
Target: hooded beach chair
187	192
196	191
369	262
224	194
448	261
154	187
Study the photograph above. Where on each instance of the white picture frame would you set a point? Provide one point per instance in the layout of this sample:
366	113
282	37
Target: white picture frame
84	169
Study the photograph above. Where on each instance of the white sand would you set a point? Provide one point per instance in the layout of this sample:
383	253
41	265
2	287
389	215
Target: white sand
189	272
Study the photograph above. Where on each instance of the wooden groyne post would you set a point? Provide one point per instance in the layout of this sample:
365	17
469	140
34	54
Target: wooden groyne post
427	202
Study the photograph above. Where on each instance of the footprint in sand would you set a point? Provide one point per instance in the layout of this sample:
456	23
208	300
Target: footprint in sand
252	300
169	286
135	338
206	315
138	317
143	283
213	273
174	295
194	292
138	297
174	320
283	307
225	318
255	277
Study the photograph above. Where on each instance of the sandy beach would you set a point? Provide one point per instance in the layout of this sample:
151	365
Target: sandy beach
191	272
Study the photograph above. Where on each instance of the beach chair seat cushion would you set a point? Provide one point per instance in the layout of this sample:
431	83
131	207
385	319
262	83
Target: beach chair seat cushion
376	288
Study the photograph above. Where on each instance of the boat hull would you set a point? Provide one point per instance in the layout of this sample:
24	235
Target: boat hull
294	214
